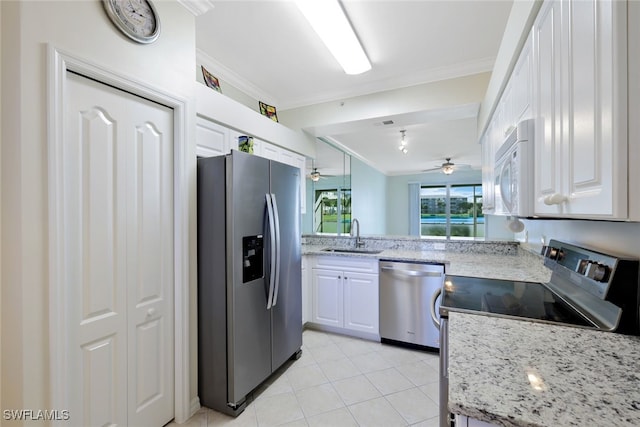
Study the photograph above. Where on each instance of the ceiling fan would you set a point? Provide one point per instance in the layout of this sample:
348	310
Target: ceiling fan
315	175
448	167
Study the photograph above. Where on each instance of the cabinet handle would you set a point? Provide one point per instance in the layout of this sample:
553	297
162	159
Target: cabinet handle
555	199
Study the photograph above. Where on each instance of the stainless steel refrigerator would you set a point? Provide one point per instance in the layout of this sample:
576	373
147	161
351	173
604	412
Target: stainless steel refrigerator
249	275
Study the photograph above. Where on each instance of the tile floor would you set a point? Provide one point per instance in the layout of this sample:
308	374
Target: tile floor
342	381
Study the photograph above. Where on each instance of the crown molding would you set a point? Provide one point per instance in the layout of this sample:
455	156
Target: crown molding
229	76
197	7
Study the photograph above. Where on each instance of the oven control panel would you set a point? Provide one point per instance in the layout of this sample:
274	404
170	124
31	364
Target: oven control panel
591	270
594	280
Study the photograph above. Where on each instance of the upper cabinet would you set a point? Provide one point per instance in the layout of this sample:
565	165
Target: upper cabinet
514	105
213	139
580	108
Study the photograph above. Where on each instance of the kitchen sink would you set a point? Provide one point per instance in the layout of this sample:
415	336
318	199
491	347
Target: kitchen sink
352	250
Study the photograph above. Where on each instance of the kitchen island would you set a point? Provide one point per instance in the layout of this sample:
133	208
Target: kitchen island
521	373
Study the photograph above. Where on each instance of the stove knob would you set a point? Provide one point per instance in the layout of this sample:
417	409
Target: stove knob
601	273
581	268
596	271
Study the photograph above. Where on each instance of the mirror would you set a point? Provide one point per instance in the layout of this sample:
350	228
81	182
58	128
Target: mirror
328	191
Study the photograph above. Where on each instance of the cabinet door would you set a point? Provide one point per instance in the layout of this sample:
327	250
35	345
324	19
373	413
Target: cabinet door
306	289
211	138
361	302
328	298
233	139
547	107
270	151
298	161
488	165
521	83
596	154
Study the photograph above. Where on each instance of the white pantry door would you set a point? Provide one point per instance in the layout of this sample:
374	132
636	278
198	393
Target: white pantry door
118	242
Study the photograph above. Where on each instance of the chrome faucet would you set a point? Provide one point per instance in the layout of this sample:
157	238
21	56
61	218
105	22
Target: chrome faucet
356	224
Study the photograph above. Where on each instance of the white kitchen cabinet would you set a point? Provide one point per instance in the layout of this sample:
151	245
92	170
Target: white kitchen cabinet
328	298
212	139
273	152
547	106
580	109
520	104
306	290
361	311
514	105
345	294
488	173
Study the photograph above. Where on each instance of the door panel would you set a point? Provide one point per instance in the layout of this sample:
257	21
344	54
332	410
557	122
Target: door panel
118	218
287	313
328	298
248	320
548	86
95	260
150	262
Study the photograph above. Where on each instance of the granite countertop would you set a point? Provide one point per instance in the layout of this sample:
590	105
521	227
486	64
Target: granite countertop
519	265
521	373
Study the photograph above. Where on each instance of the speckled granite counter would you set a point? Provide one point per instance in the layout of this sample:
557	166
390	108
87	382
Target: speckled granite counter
497	260
520	373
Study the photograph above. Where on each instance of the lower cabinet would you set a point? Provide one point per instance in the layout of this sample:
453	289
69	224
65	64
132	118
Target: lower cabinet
306	290
345	294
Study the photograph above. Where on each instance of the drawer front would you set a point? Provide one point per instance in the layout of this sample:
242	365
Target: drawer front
332	262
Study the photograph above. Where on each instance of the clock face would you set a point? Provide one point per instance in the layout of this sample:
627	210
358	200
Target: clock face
137	19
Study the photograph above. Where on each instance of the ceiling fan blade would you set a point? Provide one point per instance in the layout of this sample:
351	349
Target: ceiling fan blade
433	169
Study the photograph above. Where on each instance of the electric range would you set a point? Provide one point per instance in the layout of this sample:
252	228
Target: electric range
588	288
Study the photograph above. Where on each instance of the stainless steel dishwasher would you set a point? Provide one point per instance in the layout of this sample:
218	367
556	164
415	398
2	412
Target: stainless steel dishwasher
406	289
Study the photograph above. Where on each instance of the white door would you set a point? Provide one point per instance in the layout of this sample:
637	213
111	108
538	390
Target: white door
118	242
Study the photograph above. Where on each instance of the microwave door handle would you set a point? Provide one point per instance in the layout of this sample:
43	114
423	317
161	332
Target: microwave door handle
272	254
277	261
434	316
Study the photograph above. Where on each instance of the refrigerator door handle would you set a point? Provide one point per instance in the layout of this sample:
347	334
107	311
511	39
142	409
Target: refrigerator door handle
277	261
272	255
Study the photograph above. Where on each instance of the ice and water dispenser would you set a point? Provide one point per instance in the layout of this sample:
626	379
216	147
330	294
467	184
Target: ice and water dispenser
252	258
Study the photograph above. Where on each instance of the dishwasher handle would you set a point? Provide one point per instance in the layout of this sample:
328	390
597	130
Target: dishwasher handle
434	316
414	273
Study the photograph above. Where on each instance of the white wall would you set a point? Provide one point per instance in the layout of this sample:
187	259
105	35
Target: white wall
0	210
368	198
82	29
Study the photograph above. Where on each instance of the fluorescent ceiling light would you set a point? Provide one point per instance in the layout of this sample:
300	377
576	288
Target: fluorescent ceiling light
330	23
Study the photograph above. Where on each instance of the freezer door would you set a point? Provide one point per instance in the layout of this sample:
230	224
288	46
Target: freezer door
248	320
287	301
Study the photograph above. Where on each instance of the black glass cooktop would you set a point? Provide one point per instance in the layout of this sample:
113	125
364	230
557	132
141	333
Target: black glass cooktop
527	300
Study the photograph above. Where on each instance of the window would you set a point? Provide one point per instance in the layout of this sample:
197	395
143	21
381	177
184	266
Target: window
451	211
332	211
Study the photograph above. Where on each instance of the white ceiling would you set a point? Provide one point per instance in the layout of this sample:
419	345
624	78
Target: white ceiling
267	49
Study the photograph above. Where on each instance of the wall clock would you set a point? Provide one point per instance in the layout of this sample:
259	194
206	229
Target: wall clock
137	19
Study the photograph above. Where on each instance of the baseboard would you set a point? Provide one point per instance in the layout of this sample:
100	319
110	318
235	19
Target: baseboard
342	331
195	406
